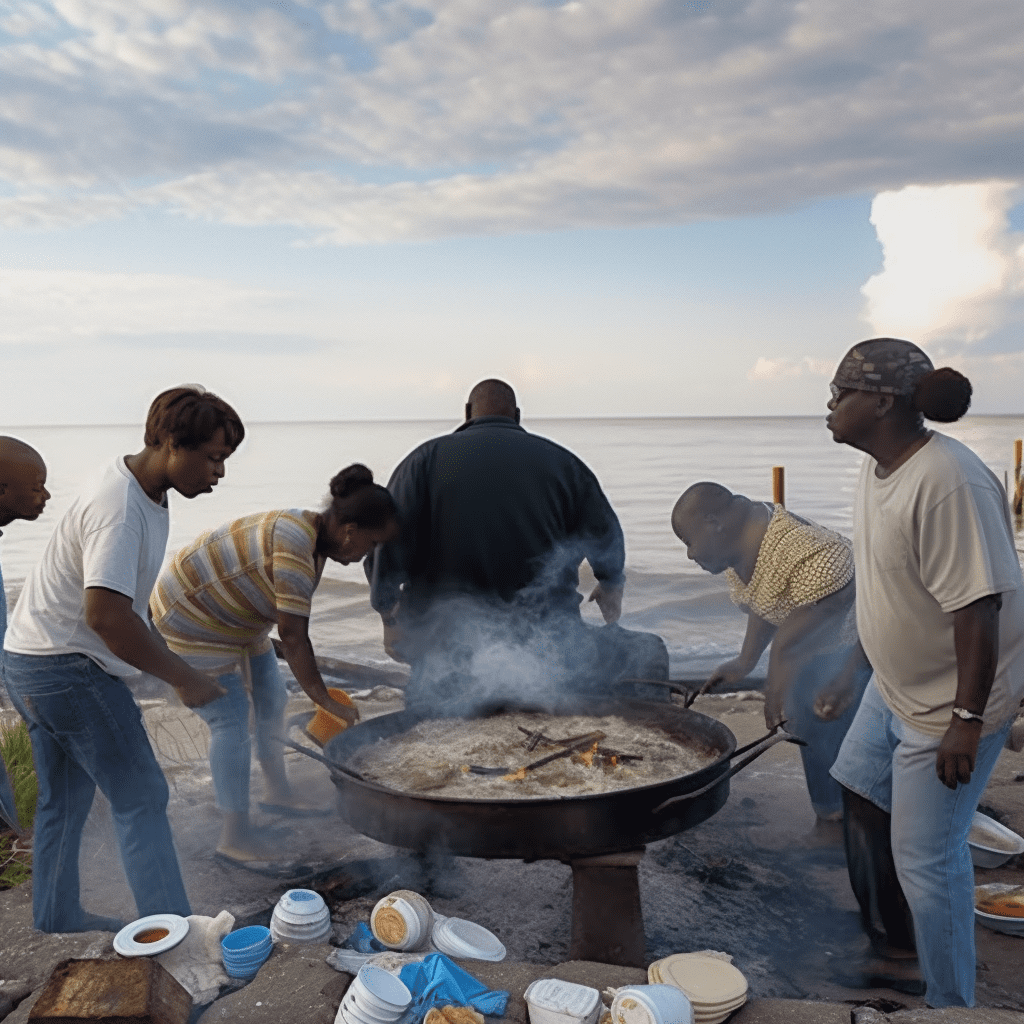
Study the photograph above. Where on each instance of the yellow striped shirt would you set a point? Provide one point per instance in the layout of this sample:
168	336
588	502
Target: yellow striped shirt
219	597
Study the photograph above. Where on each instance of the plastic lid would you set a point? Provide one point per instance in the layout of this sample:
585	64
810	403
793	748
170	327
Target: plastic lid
456	937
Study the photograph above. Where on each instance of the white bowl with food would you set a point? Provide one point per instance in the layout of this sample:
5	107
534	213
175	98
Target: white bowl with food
1003	904
992	844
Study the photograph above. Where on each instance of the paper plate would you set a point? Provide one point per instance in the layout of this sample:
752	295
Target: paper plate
126	945
709	982
467	940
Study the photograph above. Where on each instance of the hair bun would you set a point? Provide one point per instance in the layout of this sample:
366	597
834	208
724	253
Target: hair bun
350	480
943	395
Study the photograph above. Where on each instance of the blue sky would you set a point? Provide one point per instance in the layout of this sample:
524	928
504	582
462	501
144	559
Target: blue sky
357	208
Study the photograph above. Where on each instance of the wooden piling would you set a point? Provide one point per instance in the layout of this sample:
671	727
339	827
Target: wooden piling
779	485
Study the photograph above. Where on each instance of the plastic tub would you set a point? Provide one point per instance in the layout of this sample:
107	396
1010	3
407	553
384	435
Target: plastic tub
399	924
456	937
324	725
301	916
246	950
651	1004
988	856
551	1001
368	1014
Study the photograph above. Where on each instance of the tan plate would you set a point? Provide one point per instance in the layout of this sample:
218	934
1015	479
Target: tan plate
709	982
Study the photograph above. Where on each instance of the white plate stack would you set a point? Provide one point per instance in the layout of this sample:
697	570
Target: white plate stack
714	987
465	940
301	916
374	997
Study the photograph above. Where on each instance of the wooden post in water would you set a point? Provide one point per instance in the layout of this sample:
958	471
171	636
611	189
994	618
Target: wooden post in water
1018	484
779	485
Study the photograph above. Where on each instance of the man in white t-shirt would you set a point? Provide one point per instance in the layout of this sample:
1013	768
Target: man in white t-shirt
940	614
79	629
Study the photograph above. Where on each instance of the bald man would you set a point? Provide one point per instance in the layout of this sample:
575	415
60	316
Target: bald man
794	580
495	524
23	495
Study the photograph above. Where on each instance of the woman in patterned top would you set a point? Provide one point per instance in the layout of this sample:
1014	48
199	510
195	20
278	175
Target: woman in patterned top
215	605
794	579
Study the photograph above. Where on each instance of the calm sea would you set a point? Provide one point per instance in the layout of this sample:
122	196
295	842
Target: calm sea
643	464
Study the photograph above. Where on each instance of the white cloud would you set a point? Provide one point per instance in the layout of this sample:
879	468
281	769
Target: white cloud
71	306
952	269
784	366
420	120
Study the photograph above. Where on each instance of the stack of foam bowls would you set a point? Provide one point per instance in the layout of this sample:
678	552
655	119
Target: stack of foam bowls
465	940
374	997
300	916
551	1001
651	1004
402	920
246	950
991	843
714	987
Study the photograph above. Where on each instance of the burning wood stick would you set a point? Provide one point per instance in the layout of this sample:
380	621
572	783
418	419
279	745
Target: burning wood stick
581	741
539	737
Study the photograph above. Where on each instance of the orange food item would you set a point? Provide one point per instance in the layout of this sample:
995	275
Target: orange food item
151	935
516	776
1002	906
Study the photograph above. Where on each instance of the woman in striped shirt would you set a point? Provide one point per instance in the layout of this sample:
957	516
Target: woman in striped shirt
215	605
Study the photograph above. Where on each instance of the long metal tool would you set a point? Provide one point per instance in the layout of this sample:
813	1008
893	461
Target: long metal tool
333	765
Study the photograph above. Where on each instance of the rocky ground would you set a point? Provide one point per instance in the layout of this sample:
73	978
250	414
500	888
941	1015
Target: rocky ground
756	880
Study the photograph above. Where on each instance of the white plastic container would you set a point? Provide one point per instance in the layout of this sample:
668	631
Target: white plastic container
381	991
985	856
465	940
550	1001
402	920
301	916
651	1004
998	923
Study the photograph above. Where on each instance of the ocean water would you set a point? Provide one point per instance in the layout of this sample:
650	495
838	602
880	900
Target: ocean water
643	465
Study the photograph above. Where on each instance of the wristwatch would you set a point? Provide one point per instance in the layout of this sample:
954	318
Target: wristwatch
967	716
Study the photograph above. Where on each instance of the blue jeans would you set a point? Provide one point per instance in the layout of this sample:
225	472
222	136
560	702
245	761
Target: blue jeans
892	764
228	719
87	731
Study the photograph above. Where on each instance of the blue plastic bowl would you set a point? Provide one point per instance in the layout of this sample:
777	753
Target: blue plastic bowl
246	940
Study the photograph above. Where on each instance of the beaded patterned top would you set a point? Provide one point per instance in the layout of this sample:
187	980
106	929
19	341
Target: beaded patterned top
798	563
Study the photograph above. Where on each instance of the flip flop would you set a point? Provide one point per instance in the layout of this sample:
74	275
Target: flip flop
270	869
295	812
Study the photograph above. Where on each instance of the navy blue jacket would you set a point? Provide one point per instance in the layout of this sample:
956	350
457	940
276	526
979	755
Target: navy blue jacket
495	512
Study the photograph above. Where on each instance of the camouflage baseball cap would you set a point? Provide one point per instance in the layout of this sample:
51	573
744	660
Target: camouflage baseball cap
886	365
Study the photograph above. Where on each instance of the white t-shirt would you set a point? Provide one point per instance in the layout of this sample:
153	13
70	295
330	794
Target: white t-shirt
113	536
930	539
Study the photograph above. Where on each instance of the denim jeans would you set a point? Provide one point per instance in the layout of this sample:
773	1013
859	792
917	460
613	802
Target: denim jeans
87	731
228	719
892	764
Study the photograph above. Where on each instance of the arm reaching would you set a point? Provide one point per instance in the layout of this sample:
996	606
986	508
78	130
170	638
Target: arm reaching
757	637
298	652
609	600
110	615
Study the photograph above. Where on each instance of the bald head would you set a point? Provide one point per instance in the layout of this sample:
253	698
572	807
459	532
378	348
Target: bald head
492	398
23	490
703	499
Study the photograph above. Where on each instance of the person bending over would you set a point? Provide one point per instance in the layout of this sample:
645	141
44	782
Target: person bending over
215	605
794	580
80	629
940	613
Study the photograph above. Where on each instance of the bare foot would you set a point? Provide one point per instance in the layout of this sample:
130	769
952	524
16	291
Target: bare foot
249	852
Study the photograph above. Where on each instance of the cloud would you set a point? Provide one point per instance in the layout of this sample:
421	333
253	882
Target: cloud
784	366
372	120
45	307
952	269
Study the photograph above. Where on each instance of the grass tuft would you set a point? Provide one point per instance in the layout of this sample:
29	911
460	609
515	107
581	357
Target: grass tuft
16	750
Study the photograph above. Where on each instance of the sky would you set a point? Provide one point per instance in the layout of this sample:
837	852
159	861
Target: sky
356	209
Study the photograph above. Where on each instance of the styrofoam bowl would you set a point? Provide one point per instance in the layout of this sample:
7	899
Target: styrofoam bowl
380	989
997	922
247	940
301	903
372	1014
415	932
552	1001
651	1004
456	937
986	856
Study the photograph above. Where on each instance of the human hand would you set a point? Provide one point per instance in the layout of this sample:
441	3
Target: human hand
197	690
774	707
728	672
346	712
834	700
954	762
609	600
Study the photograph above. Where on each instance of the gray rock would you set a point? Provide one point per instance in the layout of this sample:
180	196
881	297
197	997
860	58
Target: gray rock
12	992
295	984
955	1015
790	1011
